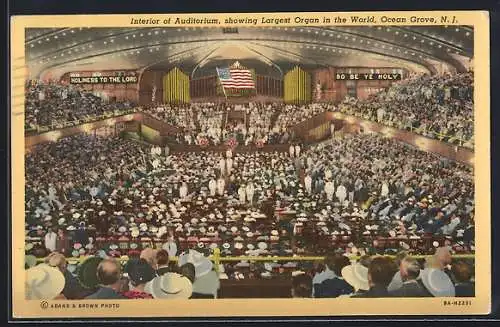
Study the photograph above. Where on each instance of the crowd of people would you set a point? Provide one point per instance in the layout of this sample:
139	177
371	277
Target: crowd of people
437	106
292	114
52	105
152	274
86	193
383	276
116	201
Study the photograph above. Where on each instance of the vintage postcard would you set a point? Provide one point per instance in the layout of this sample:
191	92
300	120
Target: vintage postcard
267	164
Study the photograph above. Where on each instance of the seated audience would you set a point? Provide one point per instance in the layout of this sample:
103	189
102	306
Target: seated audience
109	277
380	273
139	273
410	272
336	286
463	273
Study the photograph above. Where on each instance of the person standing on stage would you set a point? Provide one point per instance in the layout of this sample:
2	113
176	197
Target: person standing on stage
291	150
221	186
183	190
250	192
212	186
308	183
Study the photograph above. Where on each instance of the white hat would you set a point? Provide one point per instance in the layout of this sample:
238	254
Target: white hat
43	282
250	246
357	276
122	229
262	245
234	229
170	286
437	282
249	234
201	263
226	245
207	284
238	245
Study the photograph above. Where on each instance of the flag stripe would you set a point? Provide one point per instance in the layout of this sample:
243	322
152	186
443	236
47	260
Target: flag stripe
236	78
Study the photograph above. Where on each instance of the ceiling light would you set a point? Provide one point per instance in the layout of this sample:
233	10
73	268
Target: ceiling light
414	38
406	35
156	32
32	45
457	30
331	34
439	46
396	32
142	34
64	34
133	35
467	33
72	31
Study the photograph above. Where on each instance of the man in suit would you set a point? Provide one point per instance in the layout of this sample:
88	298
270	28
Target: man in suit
109	276
380	273
410	270
334	286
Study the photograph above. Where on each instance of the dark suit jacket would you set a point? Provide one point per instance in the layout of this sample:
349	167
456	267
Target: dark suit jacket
465	289
411	289
375	291
332	287
73	289
105	293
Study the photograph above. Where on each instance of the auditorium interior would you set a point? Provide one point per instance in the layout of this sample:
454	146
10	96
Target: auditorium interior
247	162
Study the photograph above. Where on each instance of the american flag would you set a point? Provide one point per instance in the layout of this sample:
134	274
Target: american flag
236	78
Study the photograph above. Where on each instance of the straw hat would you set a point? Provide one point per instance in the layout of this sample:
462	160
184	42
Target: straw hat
170	286
207	284
357	276
201	264
43	282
